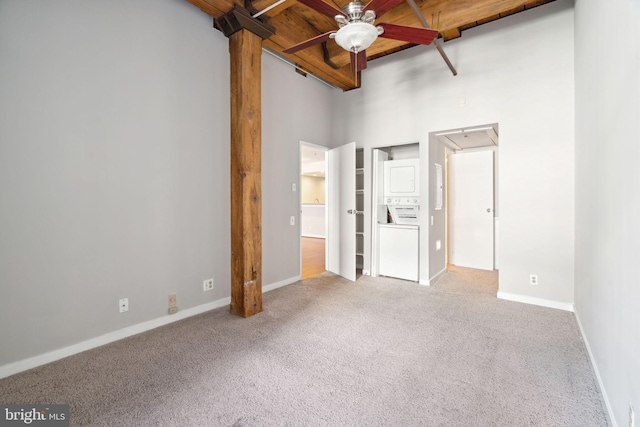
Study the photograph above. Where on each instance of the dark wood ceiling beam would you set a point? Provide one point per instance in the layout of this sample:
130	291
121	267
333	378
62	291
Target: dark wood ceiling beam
488	19
451	34
295	22
512	11
292	29
213	8
263	4
322	23
239	18
535	3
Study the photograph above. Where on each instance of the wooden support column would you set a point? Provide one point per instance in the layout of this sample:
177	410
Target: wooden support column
246	185
245	48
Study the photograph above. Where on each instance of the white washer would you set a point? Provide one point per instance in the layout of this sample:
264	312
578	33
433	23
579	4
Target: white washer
399	251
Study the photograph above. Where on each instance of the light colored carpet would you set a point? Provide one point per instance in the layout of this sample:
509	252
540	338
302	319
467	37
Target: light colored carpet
326	351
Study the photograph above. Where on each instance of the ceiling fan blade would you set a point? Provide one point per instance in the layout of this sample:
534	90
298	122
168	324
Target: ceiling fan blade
408	34
322	7
380	7
358	61
305	44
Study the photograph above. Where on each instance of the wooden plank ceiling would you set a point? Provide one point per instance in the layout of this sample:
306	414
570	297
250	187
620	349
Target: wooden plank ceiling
295	22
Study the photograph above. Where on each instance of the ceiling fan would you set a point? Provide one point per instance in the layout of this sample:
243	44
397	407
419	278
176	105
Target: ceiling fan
356	30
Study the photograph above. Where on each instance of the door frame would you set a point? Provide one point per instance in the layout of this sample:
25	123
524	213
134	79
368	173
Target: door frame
375	186
451	149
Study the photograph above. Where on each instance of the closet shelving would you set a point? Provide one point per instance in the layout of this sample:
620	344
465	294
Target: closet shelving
359	208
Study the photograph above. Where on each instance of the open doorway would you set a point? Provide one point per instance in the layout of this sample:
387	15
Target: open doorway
471	214
313	213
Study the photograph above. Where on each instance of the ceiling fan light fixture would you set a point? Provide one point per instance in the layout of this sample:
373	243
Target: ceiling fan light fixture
356	36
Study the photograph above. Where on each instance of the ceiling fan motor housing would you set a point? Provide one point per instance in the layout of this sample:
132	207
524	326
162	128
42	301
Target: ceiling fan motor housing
356	32
355	13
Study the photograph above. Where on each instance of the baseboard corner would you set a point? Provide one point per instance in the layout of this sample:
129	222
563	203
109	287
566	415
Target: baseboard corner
437	276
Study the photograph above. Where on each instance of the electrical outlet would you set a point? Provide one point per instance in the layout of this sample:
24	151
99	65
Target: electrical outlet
123	305
207	285
172	300
632	421
533	279
173	310
292	220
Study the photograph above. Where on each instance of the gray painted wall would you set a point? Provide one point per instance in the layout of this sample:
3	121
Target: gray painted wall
607	295
517	72
295	108
113	154
114	166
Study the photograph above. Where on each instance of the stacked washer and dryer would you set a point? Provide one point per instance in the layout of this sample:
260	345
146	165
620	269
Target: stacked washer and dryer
399	237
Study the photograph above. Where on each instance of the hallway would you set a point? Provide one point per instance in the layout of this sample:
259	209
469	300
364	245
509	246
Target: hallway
313	256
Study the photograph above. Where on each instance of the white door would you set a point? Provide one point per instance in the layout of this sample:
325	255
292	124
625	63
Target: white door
471	209
341	207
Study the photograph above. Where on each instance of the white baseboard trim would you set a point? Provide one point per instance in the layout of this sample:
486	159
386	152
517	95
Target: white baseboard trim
52	356
597	372
438	275
281	283
315	236
433	279
536	301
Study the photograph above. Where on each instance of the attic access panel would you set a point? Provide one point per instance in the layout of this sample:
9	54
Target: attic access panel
464	139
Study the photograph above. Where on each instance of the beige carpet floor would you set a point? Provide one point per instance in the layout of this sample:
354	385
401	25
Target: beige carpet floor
329	352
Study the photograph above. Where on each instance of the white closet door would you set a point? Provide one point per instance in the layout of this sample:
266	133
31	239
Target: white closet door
341	207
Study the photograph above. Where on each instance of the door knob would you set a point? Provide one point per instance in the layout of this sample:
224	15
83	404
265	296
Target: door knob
488	209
